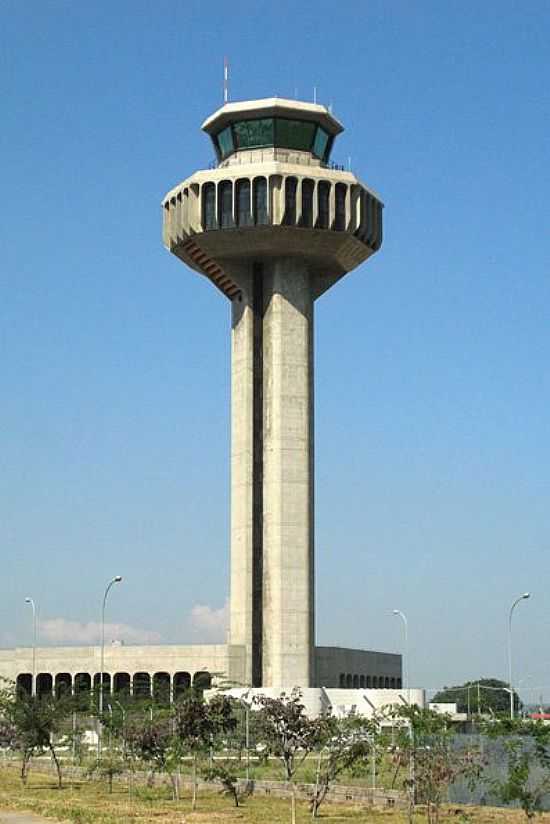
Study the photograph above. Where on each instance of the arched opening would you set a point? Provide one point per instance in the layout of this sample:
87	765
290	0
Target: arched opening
82	682
44	684
386	683
323	204
181	683
355	682
225	205
362	682
161	688
369	682
209	207
244	213
375	682
342	682
23	684
340	207
290	201
307	204
142	685
63	684
392	683
349	681
261	217
399	684
82	686
122	683
106	683
202	680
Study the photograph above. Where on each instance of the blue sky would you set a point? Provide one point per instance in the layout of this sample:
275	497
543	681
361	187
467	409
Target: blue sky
432	378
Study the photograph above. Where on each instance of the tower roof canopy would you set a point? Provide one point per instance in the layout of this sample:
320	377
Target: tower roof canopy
272	107
273	122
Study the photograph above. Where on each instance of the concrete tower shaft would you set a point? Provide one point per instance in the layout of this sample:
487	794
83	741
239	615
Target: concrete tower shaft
273	227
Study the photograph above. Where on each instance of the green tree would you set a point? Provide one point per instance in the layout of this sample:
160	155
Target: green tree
197	724
484	695
288	733
426	747
343	743
37	722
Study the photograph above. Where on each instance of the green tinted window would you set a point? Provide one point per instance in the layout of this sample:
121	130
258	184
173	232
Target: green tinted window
251	134
294	134
320	142
225	141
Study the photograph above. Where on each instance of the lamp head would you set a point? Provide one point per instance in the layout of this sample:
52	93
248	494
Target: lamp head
117	579
526	595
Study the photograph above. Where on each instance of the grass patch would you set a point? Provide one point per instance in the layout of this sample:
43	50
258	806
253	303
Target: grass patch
88	802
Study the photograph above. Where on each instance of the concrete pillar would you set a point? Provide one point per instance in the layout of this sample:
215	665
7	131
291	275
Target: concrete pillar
288	573
242	456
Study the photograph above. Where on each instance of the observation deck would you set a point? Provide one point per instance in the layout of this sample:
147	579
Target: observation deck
272	189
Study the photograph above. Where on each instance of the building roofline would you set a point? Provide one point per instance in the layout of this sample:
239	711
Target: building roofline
272	107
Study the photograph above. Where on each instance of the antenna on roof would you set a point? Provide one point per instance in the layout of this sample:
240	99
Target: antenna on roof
315	94
225	80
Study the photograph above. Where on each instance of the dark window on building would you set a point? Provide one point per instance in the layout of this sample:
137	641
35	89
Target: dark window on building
182	682
209	206
244	215
392	683
386	683
44	684
225	142
342	679
369	684
260	201
320	143
294	134
106	683
142	685
225	205
340	207
290	201
355	682
323	200
399	683
349	681
375	682
24	684
121	683
63	684
258	133
307	203
161	688
202	680
362	681
82	682
254	134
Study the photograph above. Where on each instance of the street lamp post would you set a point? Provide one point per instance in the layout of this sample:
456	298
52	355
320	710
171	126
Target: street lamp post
116	580
31	602
246	706
512	608
406	684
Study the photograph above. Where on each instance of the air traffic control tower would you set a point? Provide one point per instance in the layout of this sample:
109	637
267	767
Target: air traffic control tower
273	226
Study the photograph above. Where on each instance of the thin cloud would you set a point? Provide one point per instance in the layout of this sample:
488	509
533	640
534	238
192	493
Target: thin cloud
209	625
62	631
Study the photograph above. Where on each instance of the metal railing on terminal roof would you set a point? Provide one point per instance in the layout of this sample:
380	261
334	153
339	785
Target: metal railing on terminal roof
282	155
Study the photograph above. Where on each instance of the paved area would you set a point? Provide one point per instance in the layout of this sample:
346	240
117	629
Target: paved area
22	818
